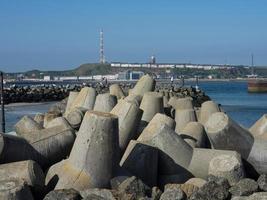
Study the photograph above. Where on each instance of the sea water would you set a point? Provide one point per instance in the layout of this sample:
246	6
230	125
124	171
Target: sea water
243	107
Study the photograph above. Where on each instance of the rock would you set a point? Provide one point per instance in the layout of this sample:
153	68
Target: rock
64	194
188	189
258	196
104	193
244	187
155	193
198	182
116	181
15	189
210	191
135	187
174	194
219	180
262	182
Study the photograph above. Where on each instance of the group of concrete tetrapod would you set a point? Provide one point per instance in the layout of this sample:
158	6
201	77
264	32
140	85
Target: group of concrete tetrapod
146	145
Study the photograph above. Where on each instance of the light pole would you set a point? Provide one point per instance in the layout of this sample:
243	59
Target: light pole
2	115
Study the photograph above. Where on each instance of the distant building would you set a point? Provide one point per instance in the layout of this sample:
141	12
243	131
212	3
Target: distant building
47	78
130	75
153	60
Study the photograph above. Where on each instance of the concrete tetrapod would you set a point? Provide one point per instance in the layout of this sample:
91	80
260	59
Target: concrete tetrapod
95	153
194	134
183	117
206	110
15	189
39	118
145	84
157	121
28	171
259	128
105	102
129	115
181	103
75	117
26	125
49	116
185	163
141	160
151	104
85	99
13	148
53	144
229	167
71	98
224	133
116	90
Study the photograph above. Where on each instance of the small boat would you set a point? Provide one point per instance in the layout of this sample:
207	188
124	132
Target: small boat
257	85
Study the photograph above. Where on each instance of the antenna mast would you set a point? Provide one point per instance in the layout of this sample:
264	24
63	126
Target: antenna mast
102	57
252	64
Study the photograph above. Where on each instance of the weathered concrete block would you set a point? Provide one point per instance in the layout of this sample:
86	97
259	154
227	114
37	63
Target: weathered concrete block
224	133
206	110
259	128
227	166
26	125
28	171
85	99
13	148
15	189
129	116
194	134
95	153
53	144
71	98
145	84
75	117
142	161
183	117
116	90
152	103
157	121
49	116
201	158
39	118
181	103
105	102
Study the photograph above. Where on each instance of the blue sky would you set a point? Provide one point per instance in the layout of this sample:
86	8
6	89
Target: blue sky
62	34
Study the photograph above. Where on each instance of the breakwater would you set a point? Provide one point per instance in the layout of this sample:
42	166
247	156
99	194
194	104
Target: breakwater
148	144
56	92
